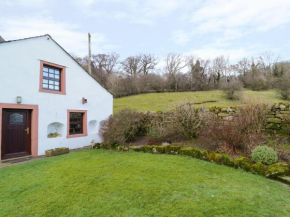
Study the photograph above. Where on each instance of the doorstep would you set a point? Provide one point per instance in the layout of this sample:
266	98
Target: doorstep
17	159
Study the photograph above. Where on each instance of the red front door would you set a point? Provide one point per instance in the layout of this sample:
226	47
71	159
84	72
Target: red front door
16	133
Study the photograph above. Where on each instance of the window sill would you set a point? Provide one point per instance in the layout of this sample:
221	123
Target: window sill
52	91
76	135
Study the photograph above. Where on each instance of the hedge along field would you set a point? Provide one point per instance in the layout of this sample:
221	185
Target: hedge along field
167	101
107	183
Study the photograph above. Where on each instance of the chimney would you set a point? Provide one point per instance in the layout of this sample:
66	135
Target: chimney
1	39
90	54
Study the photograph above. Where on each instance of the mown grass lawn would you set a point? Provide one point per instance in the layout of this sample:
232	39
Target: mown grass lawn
167	101
104	183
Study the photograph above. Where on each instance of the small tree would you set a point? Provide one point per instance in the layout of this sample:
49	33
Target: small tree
233	89
284	87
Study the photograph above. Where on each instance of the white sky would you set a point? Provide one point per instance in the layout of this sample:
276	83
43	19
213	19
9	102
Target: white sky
206	28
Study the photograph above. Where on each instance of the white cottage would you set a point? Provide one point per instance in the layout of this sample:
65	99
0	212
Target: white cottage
47	100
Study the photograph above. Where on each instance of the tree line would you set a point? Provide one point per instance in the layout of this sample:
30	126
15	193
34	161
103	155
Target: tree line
139	74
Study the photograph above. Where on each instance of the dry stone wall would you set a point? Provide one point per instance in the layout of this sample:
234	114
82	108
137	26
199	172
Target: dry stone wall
275	121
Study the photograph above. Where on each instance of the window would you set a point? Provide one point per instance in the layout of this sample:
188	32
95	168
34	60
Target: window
76	123
52	78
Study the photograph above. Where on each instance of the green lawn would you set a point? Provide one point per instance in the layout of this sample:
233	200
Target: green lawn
167	101
104	183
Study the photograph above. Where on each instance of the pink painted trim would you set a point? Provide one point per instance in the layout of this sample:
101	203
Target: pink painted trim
34	124
62	78
85	128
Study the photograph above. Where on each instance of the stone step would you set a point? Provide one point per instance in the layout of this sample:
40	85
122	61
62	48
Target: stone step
17	159
285	179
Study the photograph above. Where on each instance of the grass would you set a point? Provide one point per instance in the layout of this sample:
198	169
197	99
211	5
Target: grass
167	101
104	183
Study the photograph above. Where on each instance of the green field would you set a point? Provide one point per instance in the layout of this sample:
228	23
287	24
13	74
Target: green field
105	183
167	101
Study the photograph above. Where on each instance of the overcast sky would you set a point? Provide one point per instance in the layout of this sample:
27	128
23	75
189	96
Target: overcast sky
207	28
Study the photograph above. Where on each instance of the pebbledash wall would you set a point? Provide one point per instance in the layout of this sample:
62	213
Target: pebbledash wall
20	76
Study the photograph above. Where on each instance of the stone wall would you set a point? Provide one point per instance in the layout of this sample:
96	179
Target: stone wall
275	120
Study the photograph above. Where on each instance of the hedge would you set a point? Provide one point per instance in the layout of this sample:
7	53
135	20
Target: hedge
244	163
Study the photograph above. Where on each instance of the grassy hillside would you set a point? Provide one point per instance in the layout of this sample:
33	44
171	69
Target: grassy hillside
105	183
167	101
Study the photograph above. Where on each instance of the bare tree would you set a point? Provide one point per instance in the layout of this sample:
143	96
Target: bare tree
174	64
149	62
106	62
132	65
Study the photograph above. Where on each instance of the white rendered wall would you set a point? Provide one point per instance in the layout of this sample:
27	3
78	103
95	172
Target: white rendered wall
19	76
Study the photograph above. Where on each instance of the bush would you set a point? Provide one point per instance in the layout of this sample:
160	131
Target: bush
227	160
264	154
277	169
147	148
189	119
170	149
186	151
124	127
259	169
243	163
239	134
284	87
232	89
158	149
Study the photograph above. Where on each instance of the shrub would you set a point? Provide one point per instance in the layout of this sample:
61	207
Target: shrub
147	148
277	169
232	89
227	160
158	149
211	156
284	87
259	168
189	119
239	134
124	127
243	163
170	149
97	145
186	151
264	155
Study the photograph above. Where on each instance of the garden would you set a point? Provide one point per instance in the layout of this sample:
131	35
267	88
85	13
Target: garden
111	183
254	138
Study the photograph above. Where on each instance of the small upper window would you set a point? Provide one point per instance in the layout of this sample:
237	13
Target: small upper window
51	78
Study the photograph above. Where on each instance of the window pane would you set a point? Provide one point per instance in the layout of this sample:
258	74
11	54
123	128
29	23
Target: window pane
51	82
57	76
45	81
56	87
51	75
56	83
45	74
45	85
76	123
51	87
45	69
56	72
51	70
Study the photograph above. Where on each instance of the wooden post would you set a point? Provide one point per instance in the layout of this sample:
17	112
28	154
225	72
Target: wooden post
90	54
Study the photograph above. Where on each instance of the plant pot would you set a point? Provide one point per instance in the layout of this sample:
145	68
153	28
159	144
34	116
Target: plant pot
56	151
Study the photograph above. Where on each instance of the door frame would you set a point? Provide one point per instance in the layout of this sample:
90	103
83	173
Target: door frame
34	124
